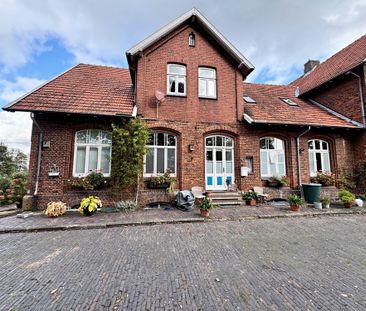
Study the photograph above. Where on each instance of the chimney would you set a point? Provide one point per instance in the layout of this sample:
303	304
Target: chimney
310	65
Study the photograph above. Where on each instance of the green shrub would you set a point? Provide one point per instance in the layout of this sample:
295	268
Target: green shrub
206	204
250	195
125	206
346	196
325	179
294	199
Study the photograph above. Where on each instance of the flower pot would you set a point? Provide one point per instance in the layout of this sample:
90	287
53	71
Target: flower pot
204	213
295	208
318	205
251	202
86	212
348	205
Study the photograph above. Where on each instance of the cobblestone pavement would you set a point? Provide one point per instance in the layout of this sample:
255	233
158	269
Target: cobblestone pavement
272	264
75	220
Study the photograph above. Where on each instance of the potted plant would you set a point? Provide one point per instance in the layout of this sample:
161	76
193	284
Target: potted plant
161	181
89	205
278	181
55	209
250	198
205	206
325	179
348	198
325	201
295	202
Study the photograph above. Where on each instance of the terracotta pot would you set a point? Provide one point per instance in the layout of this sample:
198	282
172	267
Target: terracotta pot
251	202
348	205
295	208
204	212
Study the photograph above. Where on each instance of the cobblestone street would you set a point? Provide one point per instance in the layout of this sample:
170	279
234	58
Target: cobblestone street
268	264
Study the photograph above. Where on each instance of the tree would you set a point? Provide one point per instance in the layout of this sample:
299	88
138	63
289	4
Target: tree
7	163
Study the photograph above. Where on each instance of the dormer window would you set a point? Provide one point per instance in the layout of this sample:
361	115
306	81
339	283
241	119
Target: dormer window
192	39
206	82
176	80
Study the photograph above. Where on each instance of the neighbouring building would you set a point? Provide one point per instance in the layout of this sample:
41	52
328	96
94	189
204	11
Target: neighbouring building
188	82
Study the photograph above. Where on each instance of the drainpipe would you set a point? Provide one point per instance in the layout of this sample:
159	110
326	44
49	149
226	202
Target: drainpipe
361	96
38	168
299	160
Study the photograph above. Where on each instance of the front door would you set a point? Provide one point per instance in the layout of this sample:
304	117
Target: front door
219	162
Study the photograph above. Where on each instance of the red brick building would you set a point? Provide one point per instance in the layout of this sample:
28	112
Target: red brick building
187	81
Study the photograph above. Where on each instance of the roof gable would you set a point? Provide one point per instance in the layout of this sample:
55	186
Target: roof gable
345	60
195	17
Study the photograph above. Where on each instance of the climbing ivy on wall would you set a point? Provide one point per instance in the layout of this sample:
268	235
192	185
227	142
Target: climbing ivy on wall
129	139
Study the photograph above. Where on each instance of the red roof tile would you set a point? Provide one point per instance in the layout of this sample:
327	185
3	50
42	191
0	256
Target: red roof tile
84	89
341	62
269	108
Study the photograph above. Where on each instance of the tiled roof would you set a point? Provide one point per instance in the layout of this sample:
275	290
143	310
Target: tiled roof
341	62
269	108
84	89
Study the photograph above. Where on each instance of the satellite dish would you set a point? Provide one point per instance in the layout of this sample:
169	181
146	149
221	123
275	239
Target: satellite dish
159	95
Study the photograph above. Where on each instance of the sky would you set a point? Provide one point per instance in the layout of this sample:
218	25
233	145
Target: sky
40	39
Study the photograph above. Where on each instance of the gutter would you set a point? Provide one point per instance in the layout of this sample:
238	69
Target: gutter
298	151
361	96
38	167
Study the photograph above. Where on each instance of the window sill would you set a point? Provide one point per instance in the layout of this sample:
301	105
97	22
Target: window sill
207	98
177	95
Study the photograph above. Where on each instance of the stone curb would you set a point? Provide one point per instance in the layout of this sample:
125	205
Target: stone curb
177	221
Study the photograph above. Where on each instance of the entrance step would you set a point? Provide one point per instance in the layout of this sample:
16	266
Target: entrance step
227	203
226	198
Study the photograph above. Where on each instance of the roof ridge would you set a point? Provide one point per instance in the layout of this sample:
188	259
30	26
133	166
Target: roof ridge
104	66
268	84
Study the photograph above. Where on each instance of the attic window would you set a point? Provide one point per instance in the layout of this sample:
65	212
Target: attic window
288	101
248	99
192	39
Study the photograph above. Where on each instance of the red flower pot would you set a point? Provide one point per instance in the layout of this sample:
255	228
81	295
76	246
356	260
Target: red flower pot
204	213
295	208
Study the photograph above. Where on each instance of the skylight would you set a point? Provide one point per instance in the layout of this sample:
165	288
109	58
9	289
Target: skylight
248	99
288	101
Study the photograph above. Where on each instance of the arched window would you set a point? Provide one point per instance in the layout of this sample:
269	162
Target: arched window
92	152
318	156
272	156
161	154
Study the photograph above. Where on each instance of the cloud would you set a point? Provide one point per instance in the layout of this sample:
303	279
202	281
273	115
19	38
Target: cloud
15	128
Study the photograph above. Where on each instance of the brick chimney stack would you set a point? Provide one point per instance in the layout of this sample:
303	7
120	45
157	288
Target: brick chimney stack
310	65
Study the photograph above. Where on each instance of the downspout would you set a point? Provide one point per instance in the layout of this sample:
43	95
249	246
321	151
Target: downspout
299	159
38	168
361	96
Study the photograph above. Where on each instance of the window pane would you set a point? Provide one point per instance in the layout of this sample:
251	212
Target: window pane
264	163
218	167
151	139
160	161
281	157
271	143
228	155
207	73
219	141
218	155
81	137
80	160
229	167
172	84
106	137
209	141
209	156
273	170
211	88
105	158
311	144
93	159
209	167
170	140
281	169
202	87
171	160
177	69
325	145
311	163
279	143
317	144
263	143
326	164
228	141
150	161
181	85
94	137
160	139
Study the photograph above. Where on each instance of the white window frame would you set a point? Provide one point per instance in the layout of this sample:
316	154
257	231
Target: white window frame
323	153
87	146
155	148
176	77
206	80
266	152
